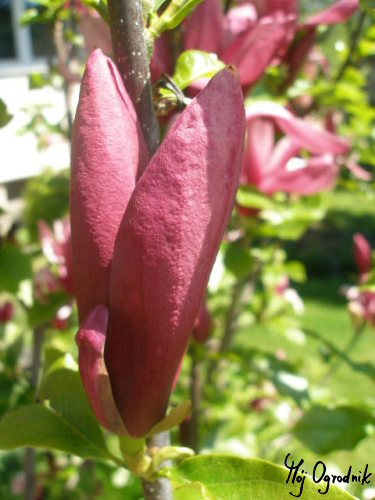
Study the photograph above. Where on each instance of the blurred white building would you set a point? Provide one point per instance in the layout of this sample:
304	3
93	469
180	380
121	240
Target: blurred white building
24	51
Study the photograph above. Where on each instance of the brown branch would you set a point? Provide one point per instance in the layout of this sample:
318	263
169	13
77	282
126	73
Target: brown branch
131	57
353	45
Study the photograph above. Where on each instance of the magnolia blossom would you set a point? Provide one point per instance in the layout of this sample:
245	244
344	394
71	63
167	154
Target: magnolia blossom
6	311
361	301
239	37
56	246
251	35
145	234
362	255
272	165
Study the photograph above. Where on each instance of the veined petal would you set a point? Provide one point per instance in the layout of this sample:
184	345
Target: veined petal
108	153
90	340
338	12
316	140
251	52
166	246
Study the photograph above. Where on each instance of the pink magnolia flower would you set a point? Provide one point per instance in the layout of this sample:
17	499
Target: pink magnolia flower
44	283
272	165
240	37
6	311
145	234
361	305
56	247
361	301
362	255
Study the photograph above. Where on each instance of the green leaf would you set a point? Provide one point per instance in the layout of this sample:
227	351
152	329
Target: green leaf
238	260
193	491
64	422
225	477
62	387
295	270
14	268
176	11
249	197
194	64
39	426
172	419
5	117
323	429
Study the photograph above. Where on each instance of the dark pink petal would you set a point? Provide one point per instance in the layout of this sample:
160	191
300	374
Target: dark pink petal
311	176
286	6
166	246
251	52
362	253
338	12
6	312
203	29
238	20
161	61
298	52
260	141
316	140
108	153
90	340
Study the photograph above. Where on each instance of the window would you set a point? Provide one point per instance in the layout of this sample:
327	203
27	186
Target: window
23	49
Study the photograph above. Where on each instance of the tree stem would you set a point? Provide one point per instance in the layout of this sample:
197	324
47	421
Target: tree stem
129	47
160	489
229	327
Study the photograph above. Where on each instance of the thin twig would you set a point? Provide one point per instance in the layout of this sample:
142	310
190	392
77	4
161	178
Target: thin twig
30	452
196	397
353	45
160	489
357	334
229	327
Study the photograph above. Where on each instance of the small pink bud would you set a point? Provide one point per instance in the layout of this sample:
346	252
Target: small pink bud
6	312
362	253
